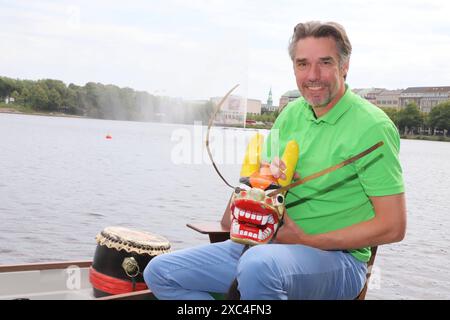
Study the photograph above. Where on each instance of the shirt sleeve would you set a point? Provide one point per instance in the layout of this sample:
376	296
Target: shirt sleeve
380	172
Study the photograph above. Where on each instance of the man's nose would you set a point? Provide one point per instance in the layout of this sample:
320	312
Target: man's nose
314	72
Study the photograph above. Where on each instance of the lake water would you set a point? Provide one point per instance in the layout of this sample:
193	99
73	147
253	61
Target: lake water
62	182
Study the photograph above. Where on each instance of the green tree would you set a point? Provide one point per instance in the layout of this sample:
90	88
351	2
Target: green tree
90	100
276	113
7	86
439	117
54	100
24	97
39	98
16	96
392	113
409	118
70	102
57	85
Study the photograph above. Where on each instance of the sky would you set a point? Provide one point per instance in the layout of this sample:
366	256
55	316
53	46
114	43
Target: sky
201	48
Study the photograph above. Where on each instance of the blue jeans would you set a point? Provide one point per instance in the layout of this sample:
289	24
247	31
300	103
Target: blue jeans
271	271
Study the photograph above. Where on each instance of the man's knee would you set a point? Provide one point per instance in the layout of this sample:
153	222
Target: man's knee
257	275
256	263
154	271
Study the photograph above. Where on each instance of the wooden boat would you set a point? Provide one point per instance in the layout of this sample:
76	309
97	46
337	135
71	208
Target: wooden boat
70	280
54	281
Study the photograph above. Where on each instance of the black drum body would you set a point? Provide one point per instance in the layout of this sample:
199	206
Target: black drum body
120	258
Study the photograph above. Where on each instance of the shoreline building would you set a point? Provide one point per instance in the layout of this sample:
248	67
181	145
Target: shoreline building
426	98
254	106
235	109
388	99
288	97
370	94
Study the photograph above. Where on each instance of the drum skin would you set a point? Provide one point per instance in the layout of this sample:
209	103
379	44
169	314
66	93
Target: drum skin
114	246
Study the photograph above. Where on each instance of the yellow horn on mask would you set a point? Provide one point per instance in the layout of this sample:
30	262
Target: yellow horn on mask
290	158
252	157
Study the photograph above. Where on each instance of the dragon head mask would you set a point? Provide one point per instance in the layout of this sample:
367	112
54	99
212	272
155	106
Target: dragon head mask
256	215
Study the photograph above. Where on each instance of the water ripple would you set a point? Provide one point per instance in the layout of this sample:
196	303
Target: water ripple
76	186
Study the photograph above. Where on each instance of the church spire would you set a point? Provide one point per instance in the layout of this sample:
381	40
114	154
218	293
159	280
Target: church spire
269	99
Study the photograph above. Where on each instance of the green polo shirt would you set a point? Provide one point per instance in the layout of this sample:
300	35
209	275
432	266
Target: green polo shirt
341	198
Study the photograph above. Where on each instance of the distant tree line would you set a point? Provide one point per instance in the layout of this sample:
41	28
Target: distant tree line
266	117
410	120
96	100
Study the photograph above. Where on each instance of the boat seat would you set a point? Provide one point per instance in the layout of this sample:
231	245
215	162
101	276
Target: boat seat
217	233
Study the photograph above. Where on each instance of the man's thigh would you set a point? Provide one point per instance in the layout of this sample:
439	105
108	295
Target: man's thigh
302	272
210	267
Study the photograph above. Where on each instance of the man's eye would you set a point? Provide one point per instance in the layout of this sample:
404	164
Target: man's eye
327	63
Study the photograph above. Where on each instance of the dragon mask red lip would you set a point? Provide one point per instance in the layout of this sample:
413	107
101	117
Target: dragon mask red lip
253	221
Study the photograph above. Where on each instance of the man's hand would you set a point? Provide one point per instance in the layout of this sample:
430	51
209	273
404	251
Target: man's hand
289	232
277	168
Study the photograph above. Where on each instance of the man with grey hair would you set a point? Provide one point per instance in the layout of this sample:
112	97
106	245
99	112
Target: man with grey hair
321	250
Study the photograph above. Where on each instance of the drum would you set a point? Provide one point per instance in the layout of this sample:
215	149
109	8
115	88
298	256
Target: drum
120	258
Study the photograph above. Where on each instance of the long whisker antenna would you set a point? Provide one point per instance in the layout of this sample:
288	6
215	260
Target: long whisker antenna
211	120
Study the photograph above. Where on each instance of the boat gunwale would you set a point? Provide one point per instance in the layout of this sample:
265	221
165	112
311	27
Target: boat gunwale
44	266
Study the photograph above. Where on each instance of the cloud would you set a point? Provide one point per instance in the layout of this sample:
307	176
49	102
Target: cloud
199	49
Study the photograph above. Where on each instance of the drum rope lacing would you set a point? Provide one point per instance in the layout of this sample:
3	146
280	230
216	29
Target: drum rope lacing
113	242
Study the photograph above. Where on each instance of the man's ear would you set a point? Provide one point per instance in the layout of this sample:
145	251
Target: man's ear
344	69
